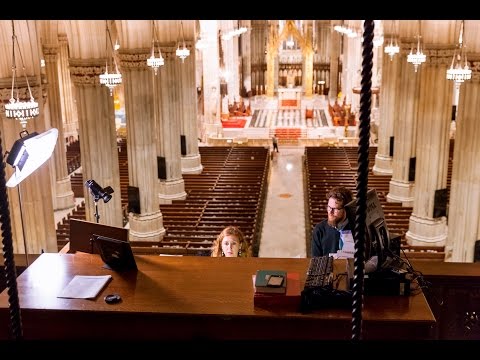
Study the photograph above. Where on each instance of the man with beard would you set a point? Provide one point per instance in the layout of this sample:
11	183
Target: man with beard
326	234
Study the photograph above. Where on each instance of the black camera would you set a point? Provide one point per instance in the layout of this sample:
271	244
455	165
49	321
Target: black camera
98	192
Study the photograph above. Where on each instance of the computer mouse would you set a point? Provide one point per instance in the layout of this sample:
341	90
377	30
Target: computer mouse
113	299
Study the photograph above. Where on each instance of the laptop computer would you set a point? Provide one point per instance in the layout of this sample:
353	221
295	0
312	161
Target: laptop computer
116	254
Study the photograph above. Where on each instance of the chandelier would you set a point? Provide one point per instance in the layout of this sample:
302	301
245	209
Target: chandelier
392	47
153	61
459	70
346	30
235	32
182	52
18	109
418	57
112	79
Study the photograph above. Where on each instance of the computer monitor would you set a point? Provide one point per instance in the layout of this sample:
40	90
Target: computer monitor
379	250
115	253
82	231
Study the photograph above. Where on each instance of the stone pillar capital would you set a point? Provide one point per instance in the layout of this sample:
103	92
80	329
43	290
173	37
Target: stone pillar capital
86	72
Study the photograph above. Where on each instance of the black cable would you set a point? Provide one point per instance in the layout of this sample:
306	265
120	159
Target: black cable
362	178
9	260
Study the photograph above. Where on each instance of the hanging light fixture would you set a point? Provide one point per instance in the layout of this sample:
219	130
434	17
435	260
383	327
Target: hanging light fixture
182	52
392	48
112	79
153	61
19	109
418	57
459	70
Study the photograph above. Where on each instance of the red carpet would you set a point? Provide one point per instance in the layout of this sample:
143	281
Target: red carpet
234	123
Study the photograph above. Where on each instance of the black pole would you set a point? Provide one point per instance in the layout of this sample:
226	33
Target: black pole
362	178
9	260
97	216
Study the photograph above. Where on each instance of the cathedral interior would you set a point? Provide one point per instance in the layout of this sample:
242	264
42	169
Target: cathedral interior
157	93
160	131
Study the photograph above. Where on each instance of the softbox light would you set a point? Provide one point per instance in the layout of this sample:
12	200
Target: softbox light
29	153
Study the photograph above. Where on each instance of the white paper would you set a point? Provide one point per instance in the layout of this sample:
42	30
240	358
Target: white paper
348	242
85	287
348	249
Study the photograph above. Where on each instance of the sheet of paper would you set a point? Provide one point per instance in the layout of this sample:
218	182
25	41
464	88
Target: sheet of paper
85	287
348	241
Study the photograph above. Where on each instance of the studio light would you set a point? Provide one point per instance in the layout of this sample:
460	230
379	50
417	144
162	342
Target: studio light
29	152
98	192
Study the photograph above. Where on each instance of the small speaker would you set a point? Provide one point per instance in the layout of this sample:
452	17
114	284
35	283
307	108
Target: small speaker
440	204
183	145
390	153
133	199
411	169
476	255
223	89
161	168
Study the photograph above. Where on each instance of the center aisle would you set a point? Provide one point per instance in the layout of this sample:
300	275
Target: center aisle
283	233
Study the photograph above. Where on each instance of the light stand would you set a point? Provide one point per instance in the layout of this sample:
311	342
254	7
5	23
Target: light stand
27	155
98	193
97	216
8	256
23	226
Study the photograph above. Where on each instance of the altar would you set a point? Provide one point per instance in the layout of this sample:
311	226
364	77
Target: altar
290	97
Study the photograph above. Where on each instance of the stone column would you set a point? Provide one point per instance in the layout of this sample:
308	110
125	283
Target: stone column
31	201
230	53
31	210
141	143
169	114
211	79
308	64
351	68
389	95
435	106
246	57
67	100
98	141
402	108
190	159
258	55
464	217
64	197
272	53
336	40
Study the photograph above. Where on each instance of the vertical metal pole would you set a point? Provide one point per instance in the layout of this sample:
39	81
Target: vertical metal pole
23	226
9	260
362	178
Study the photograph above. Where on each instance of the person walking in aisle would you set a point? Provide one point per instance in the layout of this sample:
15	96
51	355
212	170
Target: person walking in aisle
275	143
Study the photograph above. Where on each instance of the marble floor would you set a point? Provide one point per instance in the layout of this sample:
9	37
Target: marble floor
283	233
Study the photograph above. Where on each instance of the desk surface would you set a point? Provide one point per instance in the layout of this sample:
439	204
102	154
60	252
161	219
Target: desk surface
191	297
